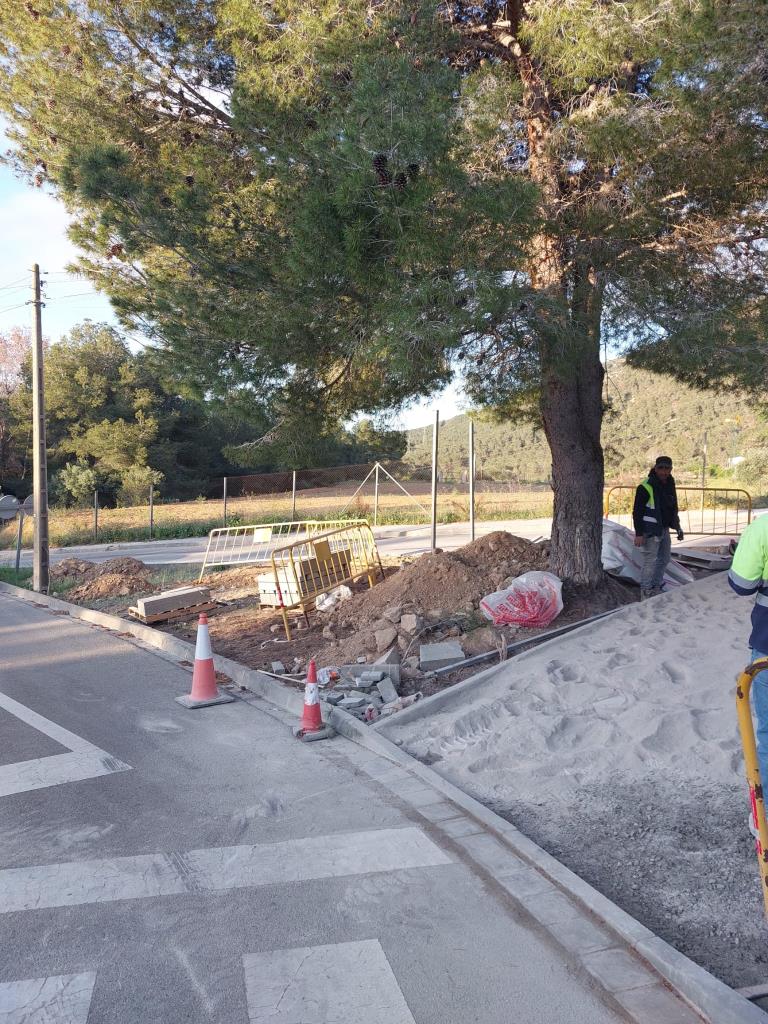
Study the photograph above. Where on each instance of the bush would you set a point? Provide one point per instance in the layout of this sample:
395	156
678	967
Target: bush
136	483
76	483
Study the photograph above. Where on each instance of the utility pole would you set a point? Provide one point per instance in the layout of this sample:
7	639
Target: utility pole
40	462
471	479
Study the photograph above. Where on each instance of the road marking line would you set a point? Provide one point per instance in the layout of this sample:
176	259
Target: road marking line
85	761
345	983
62	999
229	867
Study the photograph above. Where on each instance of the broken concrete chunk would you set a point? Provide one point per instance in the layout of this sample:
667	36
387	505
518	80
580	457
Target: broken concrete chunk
364	684
332	697
385	638
387	690
373	675
393	614
278	668
328	633
432	656
411	623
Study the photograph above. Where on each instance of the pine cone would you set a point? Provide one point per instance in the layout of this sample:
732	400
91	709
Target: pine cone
380	163
413	171
401	180
190	179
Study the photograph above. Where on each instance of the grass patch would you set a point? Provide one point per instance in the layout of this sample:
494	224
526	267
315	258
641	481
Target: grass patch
21	579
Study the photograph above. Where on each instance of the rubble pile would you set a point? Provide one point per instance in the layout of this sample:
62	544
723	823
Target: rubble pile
438	594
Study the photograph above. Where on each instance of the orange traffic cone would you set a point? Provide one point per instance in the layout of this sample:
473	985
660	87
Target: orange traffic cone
204	689
311	719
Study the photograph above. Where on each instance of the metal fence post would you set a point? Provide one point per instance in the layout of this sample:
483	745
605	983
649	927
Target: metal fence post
471	479
225	502
18	539
95	516
376	496
293	496
151	510
435	432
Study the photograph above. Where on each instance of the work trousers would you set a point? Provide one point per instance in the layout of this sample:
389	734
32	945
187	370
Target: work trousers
656	554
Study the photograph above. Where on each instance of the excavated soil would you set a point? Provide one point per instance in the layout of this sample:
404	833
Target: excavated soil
442	589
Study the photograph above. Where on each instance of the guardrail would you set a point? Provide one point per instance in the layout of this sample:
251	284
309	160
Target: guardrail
244	545
303	570
704	511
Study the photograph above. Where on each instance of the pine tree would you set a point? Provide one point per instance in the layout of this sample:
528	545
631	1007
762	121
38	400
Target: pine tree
327	206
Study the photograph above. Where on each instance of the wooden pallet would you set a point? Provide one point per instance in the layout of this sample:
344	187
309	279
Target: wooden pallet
172	613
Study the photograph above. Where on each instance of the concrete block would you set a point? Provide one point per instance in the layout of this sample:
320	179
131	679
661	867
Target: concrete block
372	676
332	698
184	597
278	668
350	703
432	656
457	827
364	684
393	613
387	690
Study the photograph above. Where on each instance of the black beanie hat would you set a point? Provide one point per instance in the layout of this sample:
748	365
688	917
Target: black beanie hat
664	462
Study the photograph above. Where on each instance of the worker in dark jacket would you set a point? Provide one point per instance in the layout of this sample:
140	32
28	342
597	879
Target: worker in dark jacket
655	514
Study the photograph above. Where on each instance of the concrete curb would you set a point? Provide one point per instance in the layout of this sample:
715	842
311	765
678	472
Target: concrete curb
716	1001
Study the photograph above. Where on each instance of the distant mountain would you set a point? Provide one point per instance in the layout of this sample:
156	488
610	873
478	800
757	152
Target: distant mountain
648	416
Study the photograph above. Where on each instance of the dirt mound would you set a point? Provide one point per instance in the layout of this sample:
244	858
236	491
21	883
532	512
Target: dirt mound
117	577
70	568
446	582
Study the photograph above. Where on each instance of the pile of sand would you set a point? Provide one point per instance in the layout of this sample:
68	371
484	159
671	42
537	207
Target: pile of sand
617	748
117	577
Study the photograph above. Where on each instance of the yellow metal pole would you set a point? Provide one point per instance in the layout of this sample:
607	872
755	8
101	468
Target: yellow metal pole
752	765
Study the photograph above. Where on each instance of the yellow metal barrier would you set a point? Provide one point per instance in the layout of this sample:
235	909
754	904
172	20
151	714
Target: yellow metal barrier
757	799
253	545
307	568
731	508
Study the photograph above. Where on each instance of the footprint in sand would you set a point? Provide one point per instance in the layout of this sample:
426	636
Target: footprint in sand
677	674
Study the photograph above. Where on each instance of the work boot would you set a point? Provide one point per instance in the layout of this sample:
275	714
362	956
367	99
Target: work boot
655	591
645	594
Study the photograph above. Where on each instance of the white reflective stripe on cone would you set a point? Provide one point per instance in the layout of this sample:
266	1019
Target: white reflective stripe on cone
203	644
311	694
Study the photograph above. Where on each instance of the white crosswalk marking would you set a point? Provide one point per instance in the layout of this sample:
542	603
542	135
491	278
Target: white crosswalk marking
346	983
229	867
63	999
85	761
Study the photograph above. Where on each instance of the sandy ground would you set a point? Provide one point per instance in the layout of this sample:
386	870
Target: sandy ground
616	748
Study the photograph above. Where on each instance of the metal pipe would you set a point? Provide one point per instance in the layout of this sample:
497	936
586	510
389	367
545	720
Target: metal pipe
293	497
225	503
151	510
471	479
435	433
95	516
376	497
532	641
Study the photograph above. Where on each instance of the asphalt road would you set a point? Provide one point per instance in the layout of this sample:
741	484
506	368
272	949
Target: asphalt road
391	540
160	865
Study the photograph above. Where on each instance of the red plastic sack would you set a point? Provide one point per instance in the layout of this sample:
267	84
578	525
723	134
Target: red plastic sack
534	599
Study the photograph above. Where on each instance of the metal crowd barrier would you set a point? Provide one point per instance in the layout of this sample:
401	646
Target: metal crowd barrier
713	511
752	765
253	545
303	570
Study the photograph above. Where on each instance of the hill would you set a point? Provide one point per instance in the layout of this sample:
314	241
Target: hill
647	415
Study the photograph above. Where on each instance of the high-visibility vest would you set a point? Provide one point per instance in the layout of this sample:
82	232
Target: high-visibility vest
650	513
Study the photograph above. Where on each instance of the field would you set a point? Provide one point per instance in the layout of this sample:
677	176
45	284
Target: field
68	527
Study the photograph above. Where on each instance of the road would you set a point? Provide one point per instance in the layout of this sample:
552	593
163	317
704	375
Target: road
160	865
391	540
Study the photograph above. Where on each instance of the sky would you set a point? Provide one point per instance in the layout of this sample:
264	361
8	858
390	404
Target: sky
33	229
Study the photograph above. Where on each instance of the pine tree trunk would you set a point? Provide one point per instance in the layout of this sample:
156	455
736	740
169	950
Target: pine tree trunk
572	411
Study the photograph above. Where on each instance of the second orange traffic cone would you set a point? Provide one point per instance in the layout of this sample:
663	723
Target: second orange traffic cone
311	719
204	689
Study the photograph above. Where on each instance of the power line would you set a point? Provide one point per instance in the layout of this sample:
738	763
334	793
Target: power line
13	285
9	308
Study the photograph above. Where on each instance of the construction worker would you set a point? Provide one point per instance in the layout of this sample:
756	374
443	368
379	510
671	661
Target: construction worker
655	513
748	576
